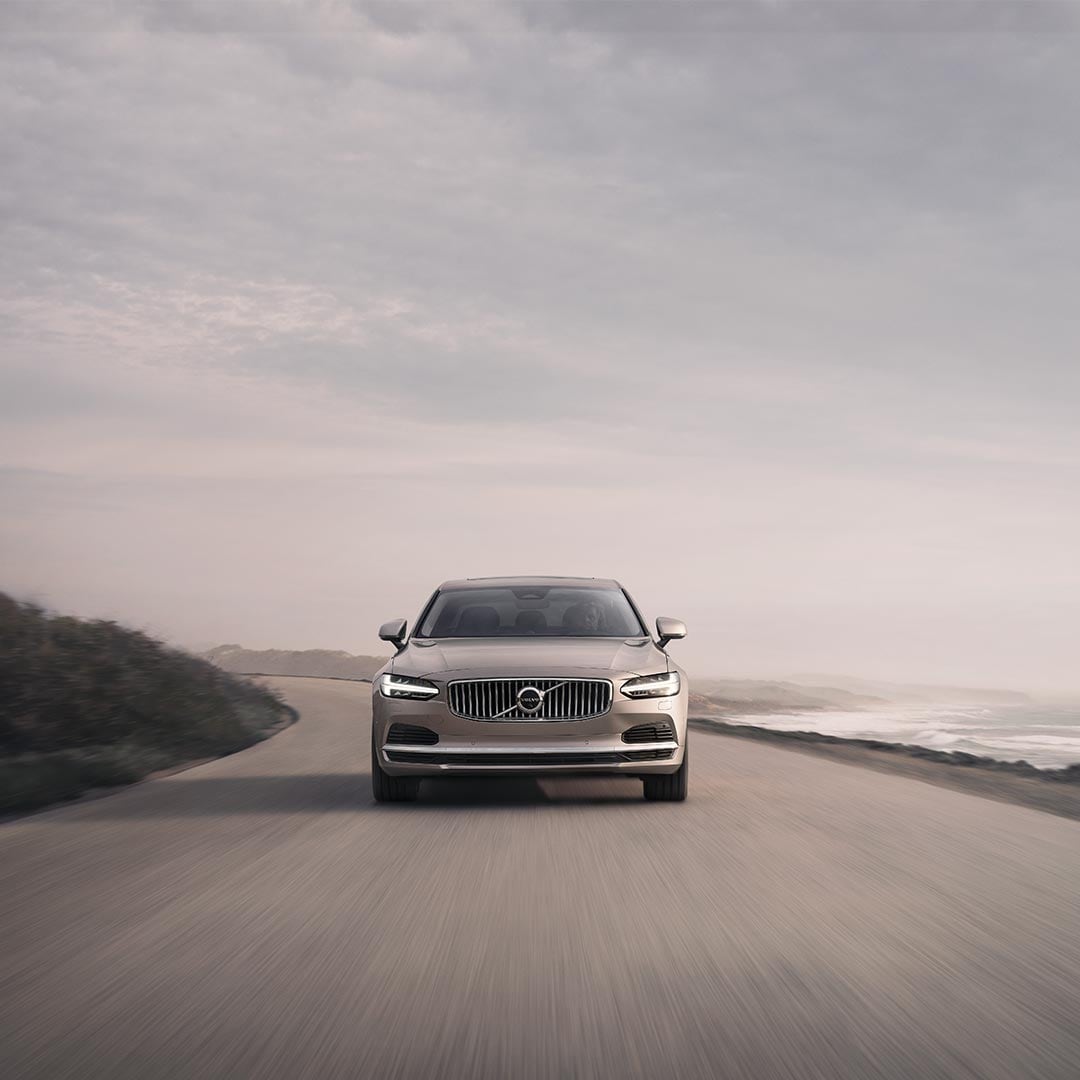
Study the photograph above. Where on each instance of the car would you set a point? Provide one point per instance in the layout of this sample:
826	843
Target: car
529	676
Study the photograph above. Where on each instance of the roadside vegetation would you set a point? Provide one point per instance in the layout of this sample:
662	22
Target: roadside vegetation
88	703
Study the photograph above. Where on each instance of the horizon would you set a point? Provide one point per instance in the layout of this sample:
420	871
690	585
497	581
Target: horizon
304	312
824	680
698	670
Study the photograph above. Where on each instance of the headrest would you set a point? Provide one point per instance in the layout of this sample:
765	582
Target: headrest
479	620
531	620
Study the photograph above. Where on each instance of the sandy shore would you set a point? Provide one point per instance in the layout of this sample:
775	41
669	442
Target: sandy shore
1056	791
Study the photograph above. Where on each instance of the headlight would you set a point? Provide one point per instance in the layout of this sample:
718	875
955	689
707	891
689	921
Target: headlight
666	684
397	686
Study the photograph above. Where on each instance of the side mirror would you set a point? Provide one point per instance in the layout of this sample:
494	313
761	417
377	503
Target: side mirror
394	632
669	629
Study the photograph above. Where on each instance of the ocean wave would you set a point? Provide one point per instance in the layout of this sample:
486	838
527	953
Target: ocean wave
1008	733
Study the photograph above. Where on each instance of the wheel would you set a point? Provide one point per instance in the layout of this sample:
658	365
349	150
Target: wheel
670	787
387	788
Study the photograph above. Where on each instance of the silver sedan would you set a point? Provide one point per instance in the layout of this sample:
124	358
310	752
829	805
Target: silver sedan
529	675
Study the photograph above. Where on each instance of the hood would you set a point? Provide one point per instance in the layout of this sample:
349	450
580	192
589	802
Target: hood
539	657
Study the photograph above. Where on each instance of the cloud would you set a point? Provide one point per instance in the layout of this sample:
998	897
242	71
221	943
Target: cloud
761	301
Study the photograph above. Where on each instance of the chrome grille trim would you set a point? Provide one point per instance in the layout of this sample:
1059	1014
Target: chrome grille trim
564	699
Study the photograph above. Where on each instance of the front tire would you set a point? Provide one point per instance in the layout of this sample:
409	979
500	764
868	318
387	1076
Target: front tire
670	787
387	788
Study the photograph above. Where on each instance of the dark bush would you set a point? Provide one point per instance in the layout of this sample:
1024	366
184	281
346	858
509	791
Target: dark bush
90	703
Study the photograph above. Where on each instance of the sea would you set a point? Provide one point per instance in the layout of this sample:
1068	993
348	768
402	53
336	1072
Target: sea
1046	736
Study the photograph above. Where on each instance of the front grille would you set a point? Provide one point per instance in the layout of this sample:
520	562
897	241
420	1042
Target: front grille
604	757
496	699
649	733
411	735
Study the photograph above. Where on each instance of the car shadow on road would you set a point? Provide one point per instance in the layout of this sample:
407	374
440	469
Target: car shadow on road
203	797
472	791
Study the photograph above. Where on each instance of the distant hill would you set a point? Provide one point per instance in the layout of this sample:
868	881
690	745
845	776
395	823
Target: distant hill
320	663
719	696
808	693
917	693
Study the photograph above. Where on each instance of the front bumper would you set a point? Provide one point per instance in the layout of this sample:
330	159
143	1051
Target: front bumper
476	747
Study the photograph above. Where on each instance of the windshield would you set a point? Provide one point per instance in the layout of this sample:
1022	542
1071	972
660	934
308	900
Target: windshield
531	611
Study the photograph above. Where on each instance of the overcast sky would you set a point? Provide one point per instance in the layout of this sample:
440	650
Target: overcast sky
772	313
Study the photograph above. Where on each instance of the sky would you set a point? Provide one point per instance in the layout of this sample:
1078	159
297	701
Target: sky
767	310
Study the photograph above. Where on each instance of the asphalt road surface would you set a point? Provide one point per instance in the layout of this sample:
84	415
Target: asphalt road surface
259	916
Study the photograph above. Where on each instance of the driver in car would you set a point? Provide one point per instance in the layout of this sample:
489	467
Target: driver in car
586	618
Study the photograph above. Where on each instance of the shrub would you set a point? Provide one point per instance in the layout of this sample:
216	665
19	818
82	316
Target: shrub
90	703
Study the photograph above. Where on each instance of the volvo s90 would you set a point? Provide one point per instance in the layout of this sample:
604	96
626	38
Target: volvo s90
529	675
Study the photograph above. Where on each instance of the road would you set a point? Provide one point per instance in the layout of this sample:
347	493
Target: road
259	916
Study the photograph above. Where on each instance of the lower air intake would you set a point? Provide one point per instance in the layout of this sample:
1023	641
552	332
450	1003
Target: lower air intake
411	735
649	733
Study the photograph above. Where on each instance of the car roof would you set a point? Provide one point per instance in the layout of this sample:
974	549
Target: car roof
525	581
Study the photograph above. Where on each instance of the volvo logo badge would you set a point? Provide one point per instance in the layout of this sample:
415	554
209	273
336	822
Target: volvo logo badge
530	699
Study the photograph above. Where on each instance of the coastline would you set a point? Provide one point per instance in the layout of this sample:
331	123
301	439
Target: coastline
1054	791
